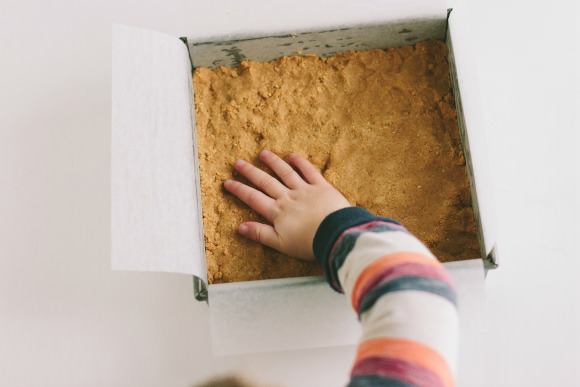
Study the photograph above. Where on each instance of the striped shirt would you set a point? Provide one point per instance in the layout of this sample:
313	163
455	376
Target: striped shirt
404	298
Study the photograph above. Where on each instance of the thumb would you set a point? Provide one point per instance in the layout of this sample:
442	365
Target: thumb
261	233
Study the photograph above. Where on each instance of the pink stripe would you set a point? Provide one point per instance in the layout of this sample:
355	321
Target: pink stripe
408	372
402	270
362	227
366	226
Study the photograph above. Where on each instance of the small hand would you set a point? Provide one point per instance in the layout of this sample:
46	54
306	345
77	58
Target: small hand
293	206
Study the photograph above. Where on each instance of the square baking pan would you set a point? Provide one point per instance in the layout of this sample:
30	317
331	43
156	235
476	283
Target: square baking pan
156	202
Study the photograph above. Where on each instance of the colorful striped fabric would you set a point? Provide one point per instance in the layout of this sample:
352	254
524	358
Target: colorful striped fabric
404	298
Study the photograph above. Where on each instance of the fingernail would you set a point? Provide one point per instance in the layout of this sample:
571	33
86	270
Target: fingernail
238	163
227	183
243	229
265	153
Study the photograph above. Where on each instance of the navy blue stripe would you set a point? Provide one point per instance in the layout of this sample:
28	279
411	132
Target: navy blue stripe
424	284
376	381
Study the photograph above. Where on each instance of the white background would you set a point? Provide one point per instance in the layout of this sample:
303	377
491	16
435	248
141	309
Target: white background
67	320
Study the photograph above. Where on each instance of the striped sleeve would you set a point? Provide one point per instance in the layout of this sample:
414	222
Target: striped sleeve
404	298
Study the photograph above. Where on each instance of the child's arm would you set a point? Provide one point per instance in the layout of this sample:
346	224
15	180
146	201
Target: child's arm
402	294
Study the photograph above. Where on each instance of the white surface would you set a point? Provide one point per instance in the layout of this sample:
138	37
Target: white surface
305	313
289	314
155	224
471	300
466	61
67	320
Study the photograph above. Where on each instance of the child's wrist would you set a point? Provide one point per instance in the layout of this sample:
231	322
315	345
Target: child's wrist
329	231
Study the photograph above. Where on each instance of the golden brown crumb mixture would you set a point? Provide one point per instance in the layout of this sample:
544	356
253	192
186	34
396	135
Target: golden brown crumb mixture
381	125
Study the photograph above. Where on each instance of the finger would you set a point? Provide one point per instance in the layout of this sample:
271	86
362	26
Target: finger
255	199
308	170
259	232
267	183
284	171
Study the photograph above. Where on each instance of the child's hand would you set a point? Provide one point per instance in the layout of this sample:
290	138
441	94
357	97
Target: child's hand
294	207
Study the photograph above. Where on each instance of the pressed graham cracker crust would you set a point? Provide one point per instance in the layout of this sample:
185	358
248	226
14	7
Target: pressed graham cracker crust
381	125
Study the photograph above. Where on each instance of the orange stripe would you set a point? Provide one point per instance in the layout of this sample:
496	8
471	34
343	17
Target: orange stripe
410	351
384	262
